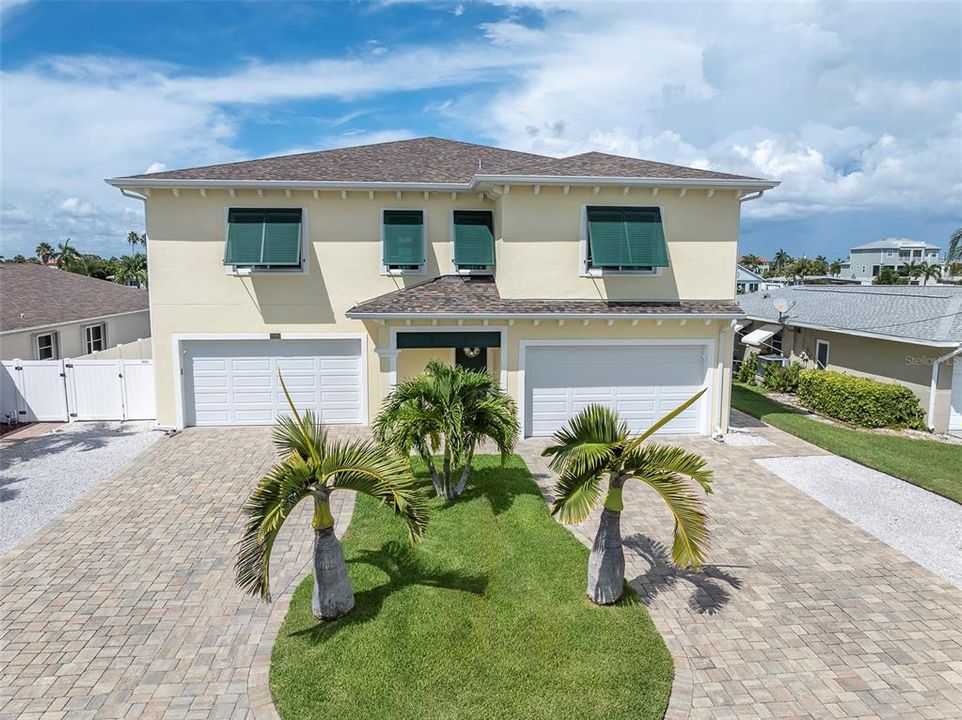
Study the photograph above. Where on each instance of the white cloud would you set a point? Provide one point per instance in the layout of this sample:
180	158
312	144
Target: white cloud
73	206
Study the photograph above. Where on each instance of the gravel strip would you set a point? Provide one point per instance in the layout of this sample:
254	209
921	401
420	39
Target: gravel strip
43	476
923	526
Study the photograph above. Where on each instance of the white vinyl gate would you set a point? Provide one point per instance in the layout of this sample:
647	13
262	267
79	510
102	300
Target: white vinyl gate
67	390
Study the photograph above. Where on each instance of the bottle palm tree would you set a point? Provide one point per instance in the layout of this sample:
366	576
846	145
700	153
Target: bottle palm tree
449	409
45	252
595	444
313	466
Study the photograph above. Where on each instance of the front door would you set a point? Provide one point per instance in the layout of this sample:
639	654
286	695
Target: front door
472	358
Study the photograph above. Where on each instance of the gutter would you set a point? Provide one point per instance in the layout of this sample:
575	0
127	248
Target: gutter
930	416
361	315
471	186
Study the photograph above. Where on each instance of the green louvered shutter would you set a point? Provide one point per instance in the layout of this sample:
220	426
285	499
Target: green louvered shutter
403	237
282	238
608	238
473	238
625	238
646	237
257	238
245	236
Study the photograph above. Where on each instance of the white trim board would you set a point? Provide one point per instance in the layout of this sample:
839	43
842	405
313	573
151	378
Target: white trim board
393	351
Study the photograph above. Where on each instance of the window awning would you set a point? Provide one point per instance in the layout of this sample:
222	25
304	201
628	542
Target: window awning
740	326
760	335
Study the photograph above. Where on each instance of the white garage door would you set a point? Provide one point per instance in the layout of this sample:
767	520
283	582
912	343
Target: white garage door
234	382
640	383
955	413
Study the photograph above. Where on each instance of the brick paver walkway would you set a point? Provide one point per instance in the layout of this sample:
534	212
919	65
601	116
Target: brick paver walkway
124	606
800	615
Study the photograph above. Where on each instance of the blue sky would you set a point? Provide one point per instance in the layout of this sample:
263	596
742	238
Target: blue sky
855	107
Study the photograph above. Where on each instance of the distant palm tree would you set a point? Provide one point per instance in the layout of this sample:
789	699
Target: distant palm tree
134	239
314	466
596	445
836	267
45	252
131	270
953	259
912	269
65	254
820	265
931	271
780	260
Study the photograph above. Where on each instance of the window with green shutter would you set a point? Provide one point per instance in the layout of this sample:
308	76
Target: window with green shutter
474	239
629	239
263	238
403	240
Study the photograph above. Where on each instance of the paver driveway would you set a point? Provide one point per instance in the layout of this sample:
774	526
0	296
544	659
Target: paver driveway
800	615
124	606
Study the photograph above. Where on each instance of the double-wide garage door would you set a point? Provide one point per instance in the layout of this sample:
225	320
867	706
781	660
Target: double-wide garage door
235	382
640	383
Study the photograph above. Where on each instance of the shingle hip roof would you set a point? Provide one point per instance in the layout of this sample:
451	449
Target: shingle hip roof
431	160
35	296
457	295
929	315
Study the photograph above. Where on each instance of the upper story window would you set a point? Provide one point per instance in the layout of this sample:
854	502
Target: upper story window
47	346
264	239
473	240
95	338
624	239
402	242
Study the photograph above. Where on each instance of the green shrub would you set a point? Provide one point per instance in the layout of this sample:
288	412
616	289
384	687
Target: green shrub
859	401
782	379
748	370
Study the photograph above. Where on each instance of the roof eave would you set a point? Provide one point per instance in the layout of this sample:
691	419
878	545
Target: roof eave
857	333
365	315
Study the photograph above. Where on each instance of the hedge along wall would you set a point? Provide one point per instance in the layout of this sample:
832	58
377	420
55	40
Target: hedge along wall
860	401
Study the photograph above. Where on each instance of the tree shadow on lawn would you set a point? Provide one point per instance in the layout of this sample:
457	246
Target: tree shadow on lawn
403	568
710	595
499	486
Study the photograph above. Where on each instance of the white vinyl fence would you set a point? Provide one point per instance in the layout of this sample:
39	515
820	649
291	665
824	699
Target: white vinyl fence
68	390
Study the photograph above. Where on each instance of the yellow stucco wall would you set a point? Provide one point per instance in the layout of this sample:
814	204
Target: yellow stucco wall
537	256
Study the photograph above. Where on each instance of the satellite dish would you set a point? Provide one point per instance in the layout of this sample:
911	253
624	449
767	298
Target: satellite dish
781	304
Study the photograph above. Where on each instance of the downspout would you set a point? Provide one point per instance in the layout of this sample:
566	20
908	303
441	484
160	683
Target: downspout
719	393
930	417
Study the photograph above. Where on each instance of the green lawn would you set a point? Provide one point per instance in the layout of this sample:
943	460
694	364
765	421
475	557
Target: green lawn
486	618
929	464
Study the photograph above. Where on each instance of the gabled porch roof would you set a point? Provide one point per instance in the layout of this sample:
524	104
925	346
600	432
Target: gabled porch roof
457	296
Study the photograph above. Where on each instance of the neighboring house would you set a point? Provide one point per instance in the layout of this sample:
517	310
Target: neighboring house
866	261
48	314
763	263
747	281
593	278
907	334
782	280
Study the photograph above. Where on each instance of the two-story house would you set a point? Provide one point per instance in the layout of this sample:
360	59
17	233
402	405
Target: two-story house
587	279
866	261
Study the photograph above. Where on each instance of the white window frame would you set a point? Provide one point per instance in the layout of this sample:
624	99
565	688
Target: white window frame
397	272
585	271
245	271
490	270
85	337
54	336
828	349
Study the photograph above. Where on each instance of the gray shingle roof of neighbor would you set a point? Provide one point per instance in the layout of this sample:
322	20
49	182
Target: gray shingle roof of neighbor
478	295
35	295
432	160
927	315
894	243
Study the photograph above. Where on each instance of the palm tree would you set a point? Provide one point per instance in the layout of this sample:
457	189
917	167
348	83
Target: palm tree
65	254
134	239
953	258
315	466
798	269
780	260
596	443
836	267
45	252
450	406
820	265
930	272
912	269
131	270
